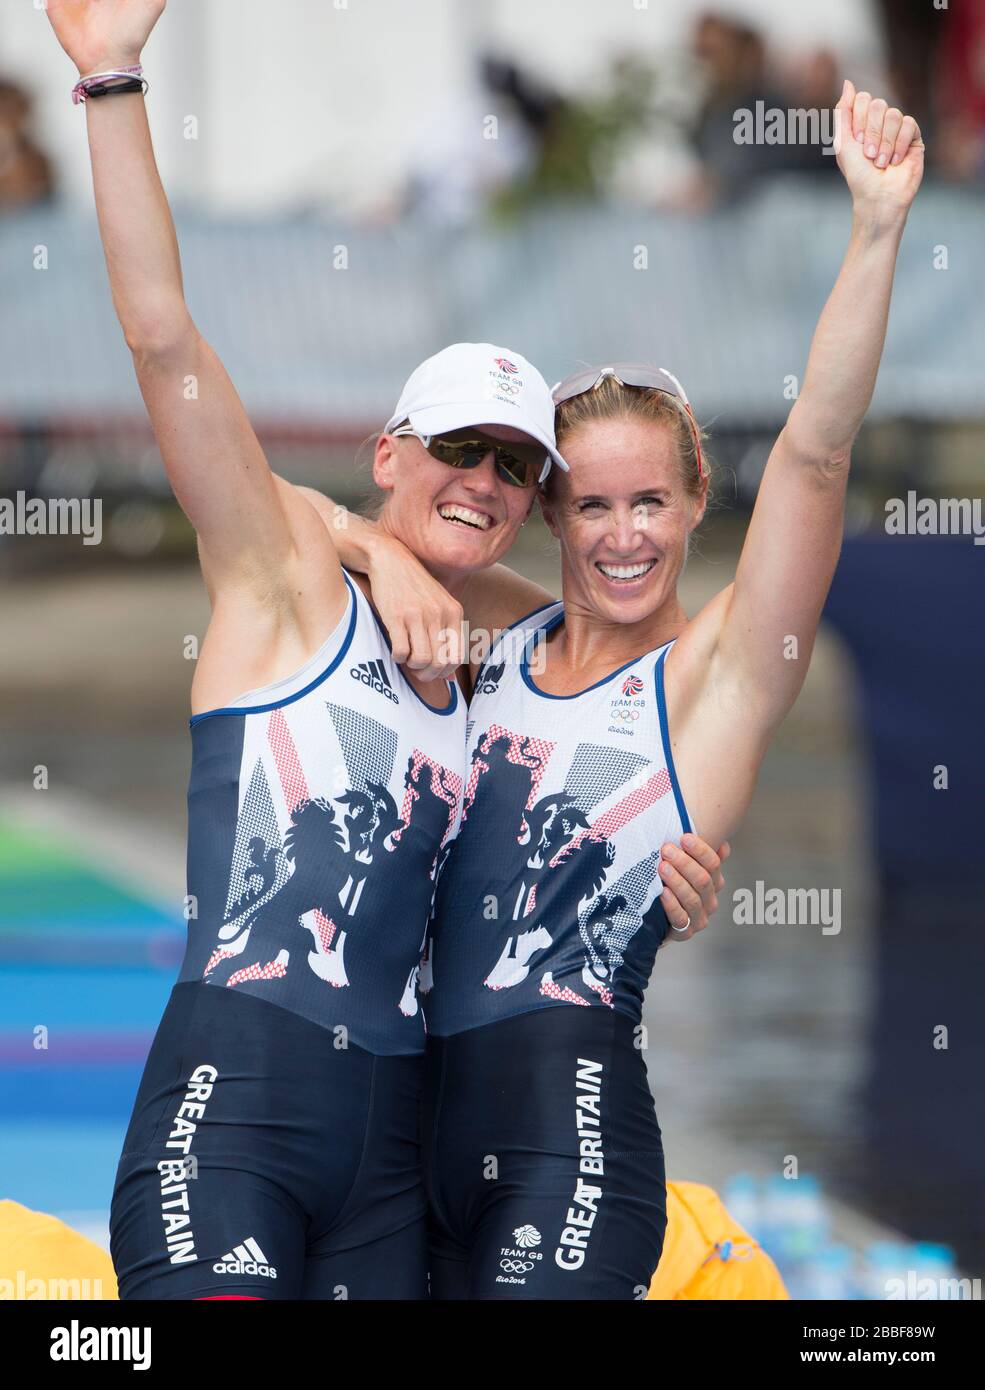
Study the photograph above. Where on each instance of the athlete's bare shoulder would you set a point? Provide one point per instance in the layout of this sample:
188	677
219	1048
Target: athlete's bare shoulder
498	597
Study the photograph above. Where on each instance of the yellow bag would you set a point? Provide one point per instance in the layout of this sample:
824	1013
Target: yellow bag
41	1257
707	1254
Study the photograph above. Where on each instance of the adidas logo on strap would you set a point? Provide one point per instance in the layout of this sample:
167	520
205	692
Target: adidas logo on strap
247	1258
373	674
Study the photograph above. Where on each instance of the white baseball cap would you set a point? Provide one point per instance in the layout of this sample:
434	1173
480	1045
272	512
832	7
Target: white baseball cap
479	384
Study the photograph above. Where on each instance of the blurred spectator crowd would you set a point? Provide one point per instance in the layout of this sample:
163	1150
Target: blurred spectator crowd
658	131
661	131
25	171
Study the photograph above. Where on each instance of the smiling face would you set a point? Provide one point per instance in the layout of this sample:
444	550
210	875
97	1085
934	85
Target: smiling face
455	520
622	516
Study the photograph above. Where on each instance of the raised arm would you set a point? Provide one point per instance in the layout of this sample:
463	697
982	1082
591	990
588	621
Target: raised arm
794	538
249	531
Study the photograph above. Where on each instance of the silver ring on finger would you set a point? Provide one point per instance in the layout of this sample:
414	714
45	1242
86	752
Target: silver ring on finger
685	926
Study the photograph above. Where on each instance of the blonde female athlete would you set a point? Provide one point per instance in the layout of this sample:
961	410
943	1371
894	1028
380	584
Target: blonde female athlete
542	1150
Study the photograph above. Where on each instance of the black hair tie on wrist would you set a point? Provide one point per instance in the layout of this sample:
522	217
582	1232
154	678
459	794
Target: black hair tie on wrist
116	85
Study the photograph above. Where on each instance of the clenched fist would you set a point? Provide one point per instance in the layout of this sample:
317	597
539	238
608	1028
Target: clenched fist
879	150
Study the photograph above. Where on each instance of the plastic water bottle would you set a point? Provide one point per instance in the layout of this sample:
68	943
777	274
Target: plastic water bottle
741	1197
935	1263
831	1275
885	1262
795	1210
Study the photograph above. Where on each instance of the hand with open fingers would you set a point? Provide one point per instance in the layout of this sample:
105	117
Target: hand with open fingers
102	34
879	149
692	879
425	624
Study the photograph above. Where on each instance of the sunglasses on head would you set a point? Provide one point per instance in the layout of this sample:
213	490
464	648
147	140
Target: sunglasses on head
641	377
520	465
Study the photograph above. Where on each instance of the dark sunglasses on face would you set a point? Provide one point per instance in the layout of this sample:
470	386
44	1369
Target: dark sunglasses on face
519	464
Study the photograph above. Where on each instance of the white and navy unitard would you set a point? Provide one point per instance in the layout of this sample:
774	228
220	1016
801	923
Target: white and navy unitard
547	921
288	1063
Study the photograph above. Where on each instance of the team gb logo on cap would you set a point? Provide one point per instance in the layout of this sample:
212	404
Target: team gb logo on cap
506	383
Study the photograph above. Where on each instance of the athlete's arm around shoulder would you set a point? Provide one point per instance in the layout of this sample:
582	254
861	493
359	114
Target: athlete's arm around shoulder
431	631
737	669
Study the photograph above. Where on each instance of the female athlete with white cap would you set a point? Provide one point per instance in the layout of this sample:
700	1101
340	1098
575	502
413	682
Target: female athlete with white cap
273	1150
